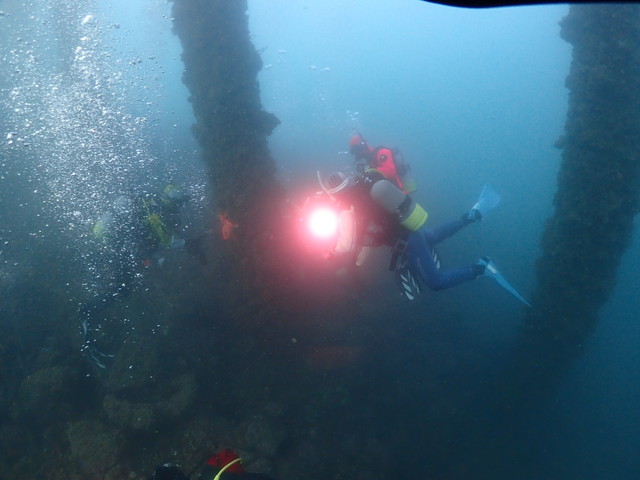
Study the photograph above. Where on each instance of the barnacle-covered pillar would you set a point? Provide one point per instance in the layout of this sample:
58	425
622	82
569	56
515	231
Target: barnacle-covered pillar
598	188
221	68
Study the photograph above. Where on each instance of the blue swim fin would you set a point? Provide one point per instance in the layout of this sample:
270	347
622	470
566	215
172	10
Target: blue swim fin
487	201
491	271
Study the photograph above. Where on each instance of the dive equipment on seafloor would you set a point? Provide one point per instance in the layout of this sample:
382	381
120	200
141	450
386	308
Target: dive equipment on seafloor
168	471
492	272
225	464
410	214
227	467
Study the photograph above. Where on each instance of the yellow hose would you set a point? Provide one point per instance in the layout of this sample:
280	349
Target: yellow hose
217	477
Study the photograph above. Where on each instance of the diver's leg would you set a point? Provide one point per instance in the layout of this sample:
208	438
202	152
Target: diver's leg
421	259
441	232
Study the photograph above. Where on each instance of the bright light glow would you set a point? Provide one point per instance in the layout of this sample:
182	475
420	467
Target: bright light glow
323	222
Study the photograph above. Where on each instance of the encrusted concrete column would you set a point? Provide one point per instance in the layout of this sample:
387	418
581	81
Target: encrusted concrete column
221	69
598	188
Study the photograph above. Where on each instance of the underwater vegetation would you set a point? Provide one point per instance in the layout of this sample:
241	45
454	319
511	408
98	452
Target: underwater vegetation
598	191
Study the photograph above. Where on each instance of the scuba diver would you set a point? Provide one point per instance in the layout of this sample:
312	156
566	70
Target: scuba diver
224	465
134	235
145	228
376	210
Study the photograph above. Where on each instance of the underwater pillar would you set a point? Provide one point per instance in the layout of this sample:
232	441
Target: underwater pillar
221	69
598	191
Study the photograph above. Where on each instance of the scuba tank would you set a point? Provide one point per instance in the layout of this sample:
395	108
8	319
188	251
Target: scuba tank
393	200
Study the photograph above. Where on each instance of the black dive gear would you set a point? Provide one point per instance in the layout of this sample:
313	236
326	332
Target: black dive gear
168	471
